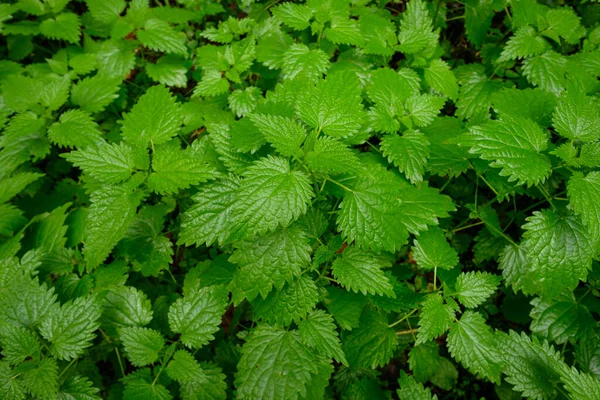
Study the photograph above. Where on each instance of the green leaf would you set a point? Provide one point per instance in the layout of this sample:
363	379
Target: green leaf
472	342
584	193
15	184
126	306
210	386
577	116
408	152
560	321
75	128
334	105
473	288
10	387
436	317
422	109
269	261
159	35
440	77
416	29
530	366
346	307
474	97
55	93
424	361
558	249
580	386
155	118
40	379
108	163
526	42
274	365
534	104
141	344
31	313
379	34
296	16
103	231
139	385
184	367
208	219
65	26
478	19
410	389
563	22
197	316
116	58
271	195
244	101
18	343
431	250
105	11
546	71
175	169
292	303
70	330
343	30
284	134
318	331
170	70
301	62
361	271
372	344
369	213
78	387
515	145
93	94
330	156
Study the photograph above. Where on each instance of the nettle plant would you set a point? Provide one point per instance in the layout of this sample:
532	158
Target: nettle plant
326	199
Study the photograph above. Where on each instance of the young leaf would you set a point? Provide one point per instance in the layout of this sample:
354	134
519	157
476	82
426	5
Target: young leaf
559	250
318	331
109	163
102	230
271	195
155	118
410	389
515	145
292	303
284	134
159	35
472	342
577	116
435	319
141	344
358	270
274	365
197	316
473	288
184	367
334	105
70	330
208	219
431	250
269	261
408	152
95	93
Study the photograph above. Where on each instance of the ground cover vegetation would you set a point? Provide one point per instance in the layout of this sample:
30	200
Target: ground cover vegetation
330	199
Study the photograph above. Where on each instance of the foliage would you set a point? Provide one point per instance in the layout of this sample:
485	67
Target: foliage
262	199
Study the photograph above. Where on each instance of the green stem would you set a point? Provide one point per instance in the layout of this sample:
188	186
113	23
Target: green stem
67	367
403	318
120	361
340	185
547	196
468	226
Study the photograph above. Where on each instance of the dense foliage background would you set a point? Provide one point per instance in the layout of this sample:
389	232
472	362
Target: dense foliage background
346	199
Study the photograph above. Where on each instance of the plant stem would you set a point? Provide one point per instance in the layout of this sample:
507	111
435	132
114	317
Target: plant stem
407	332
403	318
